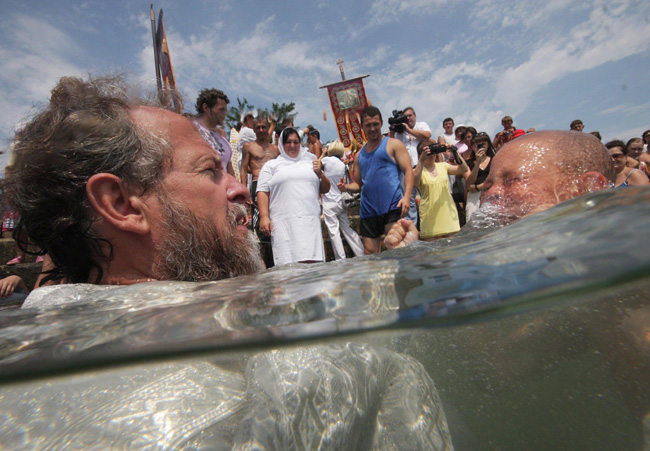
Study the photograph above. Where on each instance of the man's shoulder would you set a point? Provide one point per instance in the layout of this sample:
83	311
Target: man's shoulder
248	145
423	126
394	143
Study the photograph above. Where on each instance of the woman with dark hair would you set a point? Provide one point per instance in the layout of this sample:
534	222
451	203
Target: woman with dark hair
288	190
480	159
635	156
633	150
625	176
465	142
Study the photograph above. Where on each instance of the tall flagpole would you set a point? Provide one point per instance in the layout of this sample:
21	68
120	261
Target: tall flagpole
155	49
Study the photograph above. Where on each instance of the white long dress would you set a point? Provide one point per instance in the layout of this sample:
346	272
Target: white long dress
294	207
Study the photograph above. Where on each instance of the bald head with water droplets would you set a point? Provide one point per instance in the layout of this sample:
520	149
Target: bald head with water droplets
541	169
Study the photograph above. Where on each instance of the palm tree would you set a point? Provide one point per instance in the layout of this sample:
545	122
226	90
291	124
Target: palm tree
235	112
281	111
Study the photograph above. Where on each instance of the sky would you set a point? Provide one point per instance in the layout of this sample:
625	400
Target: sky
544	63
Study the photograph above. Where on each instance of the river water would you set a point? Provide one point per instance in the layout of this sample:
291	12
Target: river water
535	335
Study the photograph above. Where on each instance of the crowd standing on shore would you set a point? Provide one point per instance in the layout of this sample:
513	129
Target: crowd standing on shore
118	192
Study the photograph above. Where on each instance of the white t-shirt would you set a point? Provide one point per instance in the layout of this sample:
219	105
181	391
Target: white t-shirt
334	169
411	143
450	139
245	135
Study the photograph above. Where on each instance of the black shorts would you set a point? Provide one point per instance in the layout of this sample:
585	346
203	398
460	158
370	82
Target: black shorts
374	227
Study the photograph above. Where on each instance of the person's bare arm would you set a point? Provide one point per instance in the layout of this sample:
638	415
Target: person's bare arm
48	265
403	159
470	176
263	206
9	284
324	186
245	161
442	140
355	186
417	172
420	135
637	178
631	162
461	168
229	169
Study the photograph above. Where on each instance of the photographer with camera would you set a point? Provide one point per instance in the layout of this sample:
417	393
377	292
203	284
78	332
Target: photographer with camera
438	213
506	134
479	162
404	127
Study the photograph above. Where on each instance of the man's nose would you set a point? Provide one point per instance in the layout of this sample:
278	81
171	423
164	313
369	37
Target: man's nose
493	193
236	191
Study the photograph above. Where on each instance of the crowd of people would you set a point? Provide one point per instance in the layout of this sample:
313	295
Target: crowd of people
117	191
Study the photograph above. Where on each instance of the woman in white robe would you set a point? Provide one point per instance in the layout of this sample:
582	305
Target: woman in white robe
288	191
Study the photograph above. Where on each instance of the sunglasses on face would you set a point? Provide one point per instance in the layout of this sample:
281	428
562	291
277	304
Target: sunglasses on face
616	156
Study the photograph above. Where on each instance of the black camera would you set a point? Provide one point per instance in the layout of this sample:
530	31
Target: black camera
396	123
440	148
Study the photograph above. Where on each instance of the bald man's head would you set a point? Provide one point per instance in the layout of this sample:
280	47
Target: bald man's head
541	169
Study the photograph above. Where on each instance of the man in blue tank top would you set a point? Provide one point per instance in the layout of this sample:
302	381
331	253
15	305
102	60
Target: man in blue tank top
377	169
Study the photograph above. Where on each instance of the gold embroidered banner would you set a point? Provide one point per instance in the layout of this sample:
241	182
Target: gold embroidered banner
348	99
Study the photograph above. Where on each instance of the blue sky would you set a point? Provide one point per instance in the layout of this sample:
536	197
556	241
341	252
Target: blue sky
544	63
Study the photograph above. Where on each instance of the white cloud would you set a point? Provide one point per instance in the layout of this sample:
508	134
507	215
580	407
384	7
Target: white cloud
607	36
625	109
385	11
32	64
260	62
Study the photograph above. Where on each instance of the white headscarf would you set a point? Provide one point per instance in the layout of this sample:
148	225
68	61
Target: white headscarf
283	153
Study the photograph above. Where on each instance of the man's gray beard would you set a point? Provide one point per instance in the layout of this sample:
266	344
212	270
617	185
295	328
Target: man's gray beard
197	250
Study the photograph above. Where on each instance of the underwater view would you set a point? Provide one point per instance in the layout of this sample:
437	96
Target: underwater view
535	335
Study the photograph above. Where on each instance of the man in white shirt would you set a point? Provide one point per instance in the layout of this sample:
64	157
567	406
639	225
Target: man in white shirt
413	133
246	135
448	137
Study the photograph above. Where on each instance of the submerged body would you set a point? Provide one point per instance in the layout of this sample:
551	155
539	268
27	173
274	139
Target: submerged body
555	360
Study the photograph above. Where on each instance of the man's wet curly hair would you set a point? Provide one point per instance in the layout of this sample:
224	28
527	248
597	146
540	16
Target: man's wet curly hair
84	130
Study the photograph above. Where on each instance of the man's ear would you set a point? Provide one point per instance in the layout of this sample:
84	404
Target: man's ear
113	201
592	181
205	108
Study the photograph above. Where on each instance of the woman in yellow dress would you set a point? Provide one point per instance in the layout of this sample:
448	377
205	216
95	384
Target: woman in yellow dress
438	214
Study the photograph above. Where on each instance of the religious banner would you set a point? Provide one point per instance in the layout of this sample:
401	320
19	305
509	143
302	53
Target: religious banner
164	69
348	99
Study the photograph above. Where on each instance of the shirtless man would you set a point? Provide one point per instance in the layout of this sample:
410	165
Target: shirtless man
315	145
254	155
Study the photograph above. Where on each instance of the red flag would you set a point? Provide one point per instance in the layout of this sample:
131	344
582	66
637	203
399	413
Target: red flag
348	99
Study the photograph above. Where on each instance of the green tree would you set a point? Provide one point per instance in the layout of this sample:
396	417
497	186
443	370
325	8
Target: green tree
283	110
235	112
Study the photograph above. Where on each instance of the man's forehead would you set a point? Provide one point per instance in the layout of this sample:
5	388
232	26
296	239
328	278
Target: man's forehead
178	130
155	119
371	119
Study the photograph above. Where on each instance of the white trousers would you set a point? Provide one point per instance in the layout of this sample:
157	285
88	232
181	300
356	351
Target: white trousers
336	218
